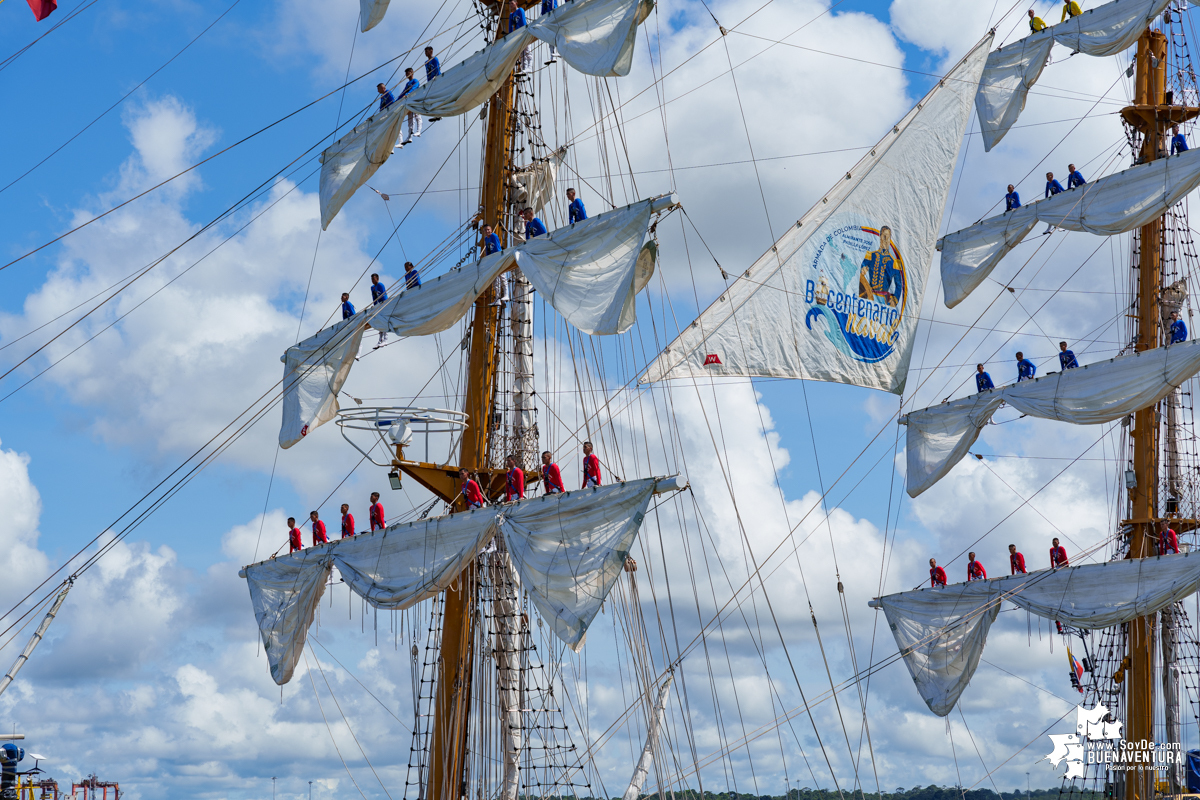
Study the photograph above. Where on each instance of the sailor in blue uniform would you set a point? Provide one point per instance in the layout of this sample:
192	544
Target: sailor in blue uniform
1066	359
533	225
516	20
385	97
378	296
1179	331
412	276
1012	199
1074	177
347	306
1178	142
1053	187
491	242
1025	368
575	211
433	67
547	7
983	381
414	119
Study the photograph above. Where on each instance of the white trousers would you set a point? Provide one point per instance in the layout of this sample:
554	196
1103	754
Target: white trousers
526	60
414	124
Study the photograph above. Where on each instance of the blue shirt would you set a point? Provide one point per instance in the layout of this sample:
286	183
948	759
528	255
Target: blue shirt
1178	144
534	228
983	382
549	5
1178	331
347	310
1053	187
1066	360
491	244
385	100
1075	179
1025	370
433	68
516	20
412	279
576	212
378	293
410	86
1012	200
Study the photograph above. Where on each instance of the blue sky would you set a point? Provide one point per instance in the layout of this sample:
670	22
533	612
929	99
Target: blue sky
103	427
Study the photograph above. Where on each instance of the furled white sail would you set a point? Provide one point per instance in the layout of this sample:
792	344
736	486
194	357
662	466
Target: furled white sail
567	548
940	436
570	548
1107	206
1011	70
439	303
534	183
594	36
313	373
592	271
646	759
837	297
370	13
941	632
393	569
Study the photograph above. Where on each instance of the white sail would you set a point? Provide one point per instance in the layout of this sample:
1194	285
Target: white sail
837	297
940	436
592	271
314	371
567	548
393	568
1102	31
570	548
646	759
439	303
370	13
534	183
941	632
594	36
1107	206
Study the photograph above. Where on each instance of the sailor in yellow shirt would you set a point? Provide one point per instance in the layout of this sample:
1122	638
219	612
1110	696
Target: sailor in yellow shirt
1070	9
1035	22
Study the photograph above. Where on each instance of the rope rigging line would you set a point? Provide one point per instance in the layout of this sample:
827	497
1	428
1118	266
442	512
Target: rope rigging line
329	729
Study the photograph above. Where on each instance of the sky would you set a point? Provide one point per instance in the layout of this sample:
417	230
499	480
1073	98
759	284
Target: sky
153	675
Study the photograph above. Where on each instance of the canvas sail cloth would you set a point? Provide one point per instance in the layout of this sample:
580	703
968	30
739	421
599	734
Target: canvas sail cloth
837	297
940	436
595	37
1010	72
941	632
1107	206
567	548
370	13
590	272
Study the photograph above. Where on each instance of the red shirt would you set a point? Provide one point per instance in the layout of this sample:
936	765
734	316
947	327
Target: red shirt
1058	557
937	577
552	479
297	544
976	572
319	536
377	518
514	484
591	469
471	491
1168	542
1017	562
347	525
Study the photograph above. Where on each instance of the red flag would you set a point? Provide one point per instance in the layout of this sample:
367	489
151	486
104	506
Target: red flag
712	358
42	8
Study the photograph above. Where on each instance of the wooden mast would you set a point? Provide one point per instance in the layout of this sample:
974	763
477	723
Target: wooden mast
447	755
1147	115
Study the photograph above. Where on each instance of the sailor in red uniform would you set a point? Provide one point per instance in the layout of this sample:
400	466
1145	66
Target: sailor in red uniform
347	521
470	490
937	575
1058	555
378	520
514	481
318	529
975	570
591	466
294	536
551	477
1015	560
1168	541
